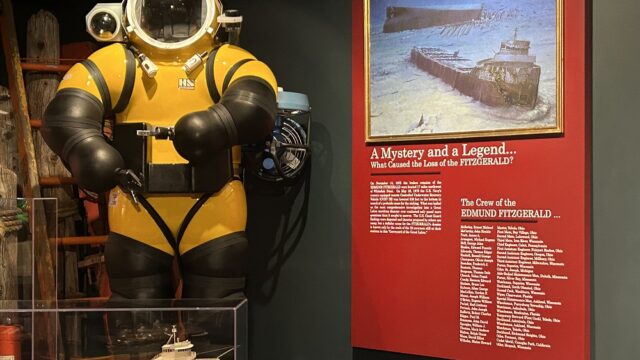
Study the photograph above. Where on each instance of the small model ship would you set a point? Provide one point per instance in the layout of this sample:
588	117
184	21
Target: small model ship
511	77
401	18
176	350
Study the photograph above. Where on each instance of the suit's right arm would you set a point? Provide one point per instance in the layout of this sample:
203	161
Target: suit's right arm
72	123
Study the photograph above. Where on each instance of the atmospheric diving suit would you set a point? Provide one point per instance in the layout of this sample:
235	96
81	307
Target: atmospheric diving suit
183	102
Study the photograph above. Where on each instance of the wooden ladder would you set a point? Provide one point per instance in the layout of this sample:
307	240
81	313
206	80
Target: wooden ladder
26	152
28	171
31	182
29	179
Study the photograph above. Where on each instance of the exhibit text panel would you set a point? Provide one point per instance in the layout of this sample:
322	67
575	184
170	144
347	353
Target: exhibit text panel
473	247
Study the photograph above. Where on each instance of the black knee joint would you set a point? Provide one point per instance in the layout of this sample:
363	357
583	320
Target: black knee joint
137	270
216	269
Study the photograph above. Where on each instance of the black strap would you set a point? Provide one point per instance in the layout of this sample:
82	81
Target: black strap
100	83
129	82
164	228
211	81
192	212
175	244
232	71
160	222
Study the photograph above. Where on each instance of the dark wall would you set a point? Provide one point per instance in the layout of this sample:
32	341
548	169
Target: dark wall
616	174
300	282
302	310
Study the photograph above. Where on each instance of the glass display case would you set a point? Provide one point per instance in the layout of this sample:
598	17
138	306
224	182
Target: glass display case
152	329
35	324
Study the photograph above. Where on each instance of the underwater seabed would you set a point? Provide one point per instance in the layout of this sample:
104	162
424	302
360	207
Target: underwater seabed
402	95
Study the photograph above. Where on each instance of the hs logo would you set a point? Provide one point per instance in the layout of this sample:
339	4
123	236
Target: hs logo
186	84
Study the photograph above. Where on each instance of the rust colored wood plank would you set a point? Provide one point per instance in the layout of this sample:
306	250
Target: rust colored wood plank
35	123
82	240
98	299
45	67
51	181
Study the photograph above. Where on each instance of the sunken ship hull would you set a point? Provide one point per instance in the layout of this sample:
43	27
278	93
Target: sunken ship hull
408	18
492	82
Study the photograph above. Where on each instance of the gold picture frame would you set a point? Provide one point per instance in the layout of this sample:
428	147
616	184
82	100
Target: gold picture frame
491	98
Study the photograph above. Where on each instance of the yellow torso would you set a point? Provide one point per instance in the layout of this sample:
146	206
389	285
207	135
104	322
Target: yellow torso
161	102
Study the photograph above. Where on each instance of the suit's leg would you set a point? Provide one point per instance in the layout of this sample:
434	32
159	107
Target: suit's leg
141	272
217	268
137	270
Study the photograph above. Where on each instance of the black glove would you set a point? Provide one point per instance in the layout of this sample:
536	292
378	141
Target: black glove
92	162
245	114
201	133
128	180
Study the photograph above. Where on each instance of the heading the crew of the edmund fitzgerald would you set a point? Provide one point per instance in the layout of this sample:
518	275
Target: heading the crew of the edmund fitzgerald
506	213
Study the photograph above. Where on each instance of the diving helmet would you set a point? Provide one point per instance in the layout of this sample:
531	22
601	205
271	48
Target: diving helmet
170	24
157	24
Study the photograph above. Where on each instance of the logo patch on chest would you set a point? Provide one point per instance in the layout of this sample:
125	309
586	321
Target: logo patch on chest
186	84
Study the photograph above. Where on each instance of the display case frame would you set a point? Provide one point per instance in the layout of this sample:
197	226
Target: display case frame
36	324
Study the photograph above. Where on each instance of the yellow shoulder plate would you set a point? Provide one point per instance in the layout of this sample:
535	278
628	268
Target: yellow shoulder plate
111	61
232	62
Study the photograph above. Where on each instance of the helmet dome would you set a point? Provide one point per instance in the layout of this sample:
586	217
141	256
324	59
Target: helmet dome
170	24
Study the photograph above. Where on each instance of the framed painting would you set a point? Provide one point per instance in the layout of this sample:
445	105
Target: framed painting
455	69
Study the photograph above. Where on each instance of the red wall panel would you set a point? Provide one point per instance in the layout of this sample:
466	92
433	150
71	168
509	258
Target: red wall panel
406	288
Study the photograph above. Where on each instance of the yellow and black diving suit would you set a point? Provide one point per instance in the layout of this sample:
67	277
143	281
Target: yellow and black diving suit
173	164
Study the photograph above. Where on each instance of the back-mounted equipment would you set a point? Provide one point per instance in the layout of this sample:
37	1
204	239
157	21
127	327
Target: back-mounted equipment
287	150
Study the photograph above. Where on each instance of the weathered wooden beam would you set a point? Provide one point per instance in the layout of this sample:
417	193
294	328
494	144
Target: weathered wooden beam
8	145
9	241
43	46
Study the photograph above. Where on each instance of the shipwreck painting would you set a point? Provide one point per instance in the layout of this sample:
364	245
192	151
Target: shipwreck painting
447	69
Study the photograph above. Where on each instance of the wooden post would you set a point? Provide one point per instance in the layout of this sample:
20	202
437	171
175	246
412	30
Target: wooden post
43	46
43	39
8	145
8	193
28	169
8	243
